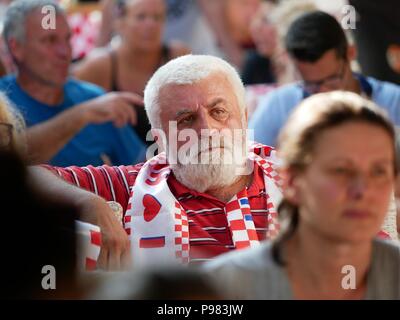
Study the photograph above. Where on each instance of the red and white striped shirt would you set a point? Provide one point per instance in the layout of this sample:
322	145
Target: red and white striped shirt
208	225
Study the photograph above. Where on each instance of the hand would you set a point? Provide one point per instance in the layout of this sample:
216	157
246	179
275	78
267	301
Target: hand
115	251
114	106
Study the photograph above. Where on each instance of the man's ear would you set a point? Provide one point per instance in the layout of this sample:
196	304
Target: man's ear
351	52
16	50
160	139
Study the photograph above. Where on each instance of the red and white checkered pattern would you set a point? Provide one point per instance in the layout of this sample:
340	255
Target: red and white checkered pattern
89	244
271	171
127	217
240	222
182	230
267	160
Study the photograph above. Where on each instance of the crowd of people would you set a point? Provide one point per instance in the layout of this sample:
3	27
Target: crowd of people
150	167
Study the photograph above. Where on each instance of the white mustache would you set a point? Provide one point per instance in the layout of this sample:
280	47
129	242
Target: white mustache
210	148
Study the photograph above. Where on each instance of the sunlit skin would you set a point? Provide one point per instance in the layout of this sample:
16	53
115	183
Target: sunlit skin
209	104
343	197
329	65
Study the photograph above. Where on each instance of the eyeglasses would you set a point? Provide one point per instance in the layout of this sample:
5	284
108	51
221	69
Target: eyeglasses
6	130
332	82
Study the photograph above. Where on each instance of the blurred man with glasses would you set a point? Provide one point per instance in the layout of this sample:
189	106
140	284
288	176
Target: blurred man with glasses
318	47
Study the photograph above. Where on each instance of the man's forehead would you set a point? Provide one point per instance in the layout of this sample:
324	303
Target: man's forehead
177	97
212	84
36	19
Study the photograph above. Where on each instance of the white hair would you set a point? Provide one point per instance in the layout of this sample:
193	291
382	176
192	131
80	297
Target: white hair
188	69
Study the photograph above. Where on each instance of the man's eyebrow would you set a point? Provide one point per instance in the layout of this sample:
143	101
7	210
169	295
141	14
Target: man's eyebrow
210	105
215	102
183	111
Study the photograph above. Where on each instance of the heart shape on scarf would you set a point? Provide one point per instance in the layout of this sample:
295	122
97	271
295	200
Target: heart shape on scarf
151	207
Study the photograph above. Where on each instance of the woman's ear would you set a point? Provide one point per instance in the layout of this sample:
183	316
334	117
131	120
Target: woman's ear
290	187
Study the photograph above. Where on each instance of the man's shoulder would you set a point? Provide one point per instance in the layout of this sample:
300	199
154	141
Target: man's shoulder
290	91
383	89
285	97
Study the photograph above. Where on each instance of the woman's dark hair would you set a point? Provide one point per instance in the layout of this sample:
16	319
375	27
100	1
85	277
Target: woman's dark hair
313	34
298	137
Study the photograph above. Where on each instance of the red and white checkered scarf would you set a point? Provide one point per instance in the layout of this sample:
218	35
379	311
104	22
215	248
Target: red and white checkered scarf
158	225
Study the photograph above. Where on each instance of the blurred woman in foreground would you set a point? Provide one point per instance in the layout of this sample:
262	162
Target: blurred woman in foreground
338	171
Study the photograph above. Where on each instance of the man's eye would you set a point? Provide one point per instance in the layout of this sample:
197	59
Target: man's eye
186	120
219	113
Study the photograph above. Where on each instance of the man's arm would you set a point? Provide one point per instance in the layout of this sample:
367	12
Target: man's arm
49	137
115	249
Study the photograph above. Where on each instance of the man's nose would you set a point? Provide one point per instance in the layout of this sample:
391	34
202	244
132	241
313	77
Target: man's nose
64	50
206	122
322	88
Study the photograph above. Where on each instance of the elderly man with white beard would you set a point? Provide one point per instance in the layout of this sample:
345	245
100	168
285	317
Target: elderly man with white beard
207	191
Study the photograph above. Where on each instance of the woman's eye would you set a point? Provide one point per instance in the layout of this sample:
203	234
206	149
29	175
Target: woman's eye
380	172
341	171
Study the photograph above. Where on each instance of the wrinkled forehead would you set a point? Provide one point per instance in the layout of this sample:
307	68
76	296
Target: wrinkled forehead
174	96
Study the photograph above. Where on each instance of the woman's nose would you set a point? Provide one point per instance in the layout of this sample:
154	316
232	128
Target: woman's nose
358	186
